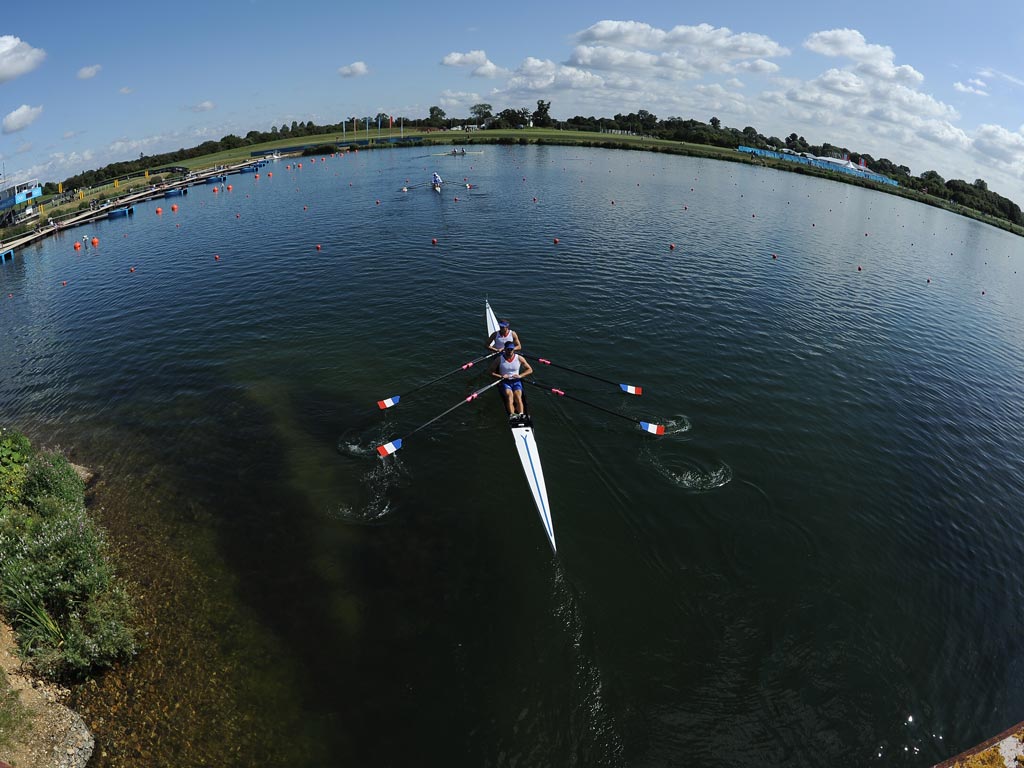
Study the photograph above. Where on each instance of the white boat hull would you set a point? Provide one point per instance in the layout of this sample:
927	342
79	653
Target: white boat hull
529	456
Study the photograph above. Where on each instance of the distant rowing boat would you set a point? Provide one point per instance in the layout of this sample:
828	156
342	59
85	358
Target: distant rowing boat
453	153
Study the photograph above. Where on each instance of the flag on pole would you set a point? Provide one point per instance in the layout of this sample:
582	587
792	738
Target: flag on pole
391	122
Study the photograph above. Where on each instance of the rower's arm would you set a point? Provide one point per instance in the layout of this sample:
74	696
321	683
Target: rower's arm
515	338
490	342
526	368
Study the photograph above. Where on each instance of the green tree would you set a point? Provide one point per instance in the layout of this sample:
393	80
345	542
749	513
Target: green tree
436	119
541	116
716	123
480	112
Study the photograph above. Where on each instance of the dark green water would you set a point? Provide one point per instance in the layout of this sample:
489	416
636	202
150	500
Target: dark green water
820	564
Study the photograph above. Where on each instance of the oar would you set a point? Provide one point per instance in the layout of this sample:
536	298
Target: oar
646	426
393	400
629	389
388	448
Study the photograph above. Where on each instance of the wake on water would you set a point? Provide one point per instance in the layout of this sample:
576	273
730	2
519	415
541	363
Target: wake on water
376	483
685	471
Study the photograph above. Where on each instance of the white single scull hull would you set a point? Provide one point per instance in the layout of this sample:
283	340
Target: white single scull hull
526	447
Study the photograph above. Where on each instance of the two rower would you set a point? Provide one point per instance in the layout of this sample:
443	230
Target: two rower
510	367
436	180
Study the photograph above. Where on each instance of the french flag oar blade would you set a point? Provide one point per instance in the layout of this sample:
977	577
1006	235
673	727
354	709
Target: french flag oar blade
389	402
654	429
388	448
629	389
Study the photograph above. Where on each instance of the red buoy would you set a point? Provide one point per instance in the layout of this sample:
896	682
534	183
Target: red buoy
858	268
774	256
433	241
174	207
95	241
378	202
229	189
671	246
270	175
132	269
78	246
318	246
65	282
159	211
216	257
216	190
556	241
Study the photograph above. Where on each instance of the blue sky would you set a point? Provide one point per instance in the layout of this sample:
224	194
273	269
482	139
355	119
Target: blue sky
935	86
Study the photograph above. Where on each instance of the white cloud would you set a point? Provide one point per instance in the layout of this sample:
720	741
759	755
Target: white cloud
203	106
997	143
355	69
456	99
758	67
70	134
687	52
873	60
977	83
87	73
125	90
993	74
724	43
476	61
26	147
960	87
131	147
17	57
21	118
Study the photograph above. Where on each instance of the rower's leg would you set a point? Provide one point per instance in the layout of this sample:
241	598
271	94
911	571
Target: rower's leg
519	400
508	402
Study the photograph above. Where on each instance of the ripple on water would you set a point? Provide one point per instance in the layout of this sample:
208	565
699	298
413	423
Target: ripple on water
682	465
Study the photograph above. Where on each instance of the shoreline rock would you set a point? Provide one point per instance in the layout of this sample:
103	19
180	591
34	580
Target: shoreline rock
55	736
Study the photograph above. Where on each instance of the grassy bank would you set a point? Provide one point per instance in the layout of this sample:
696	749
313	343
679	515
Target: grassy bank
70	613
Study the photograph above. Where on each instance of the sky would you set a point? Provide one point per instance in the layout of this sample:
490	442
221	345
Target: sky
933	86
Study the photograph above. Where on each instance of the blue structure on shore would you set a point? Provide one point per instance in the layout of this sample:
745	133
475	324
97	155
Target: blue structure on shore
825	165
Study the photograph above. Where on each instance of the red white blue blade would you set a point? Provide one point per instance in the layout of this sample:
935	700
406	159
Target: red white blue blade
388	448
654	429
389	402
629	389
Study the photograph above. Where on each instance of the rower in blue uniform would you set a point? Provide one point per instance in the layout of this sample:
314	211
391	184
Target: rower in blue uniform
512	368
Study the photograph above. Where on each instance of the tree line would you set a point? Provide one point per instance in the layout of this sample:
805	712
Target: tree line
974	195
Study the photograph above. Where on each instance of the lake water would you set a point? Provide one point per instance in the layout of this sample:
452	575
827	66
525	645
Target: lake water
821	563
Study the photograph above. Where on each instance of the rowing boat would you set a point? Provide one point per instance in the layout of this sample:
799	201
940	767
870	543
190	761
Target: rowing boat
437	188
526	447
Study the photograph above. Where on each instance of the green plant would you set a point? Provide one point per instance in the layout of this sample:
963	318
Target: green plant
70	613
50	474
15	451
12	714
